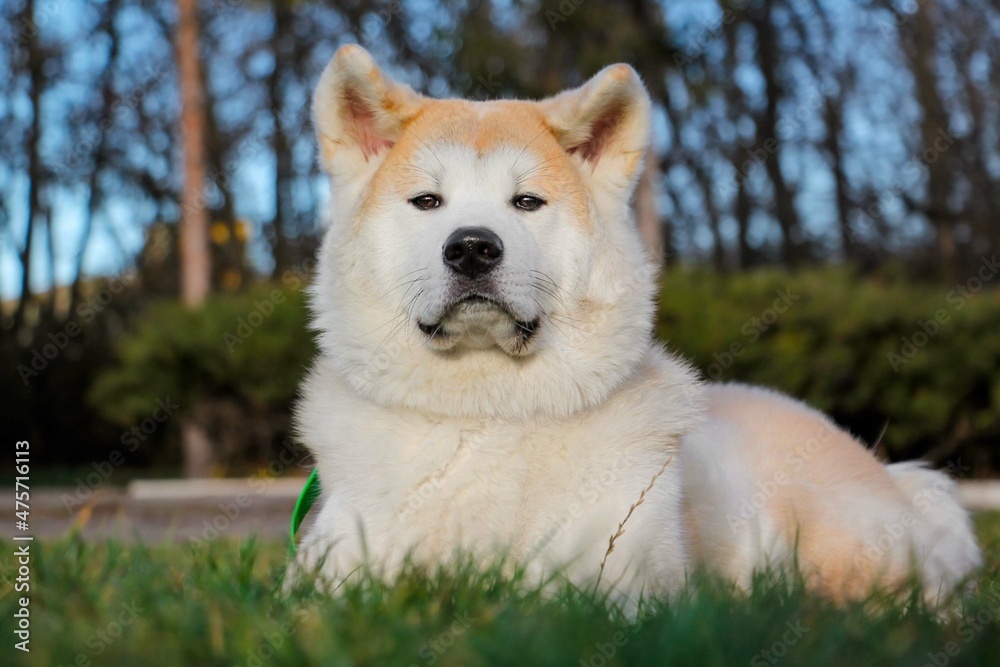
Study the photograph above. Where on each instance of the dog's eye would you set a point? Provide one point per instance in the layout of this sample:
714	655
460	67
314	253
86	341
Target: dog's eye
426	202
528	202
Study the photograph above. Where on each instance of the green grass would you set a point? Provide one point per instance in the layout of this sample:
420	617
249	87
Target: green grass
114	604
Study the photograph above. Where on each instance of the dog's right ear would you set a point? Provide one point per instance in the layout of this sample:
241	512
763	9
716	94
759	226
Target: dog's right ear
358	113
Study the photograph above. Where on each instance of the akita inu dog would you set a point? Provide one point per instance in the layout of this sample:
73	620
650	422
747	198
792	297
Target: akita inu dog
488	384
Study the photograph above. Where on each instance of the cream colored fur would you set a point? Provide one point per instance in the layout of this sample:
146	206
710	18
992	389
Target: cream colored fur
478	439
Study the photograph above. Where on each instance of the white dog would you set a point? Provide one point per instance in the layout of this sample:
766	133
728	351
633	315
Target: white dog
488	384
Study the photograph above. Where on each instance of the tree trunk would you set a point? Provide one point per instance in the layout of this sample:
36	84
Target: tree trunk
88	226
768	143
712	214
50	250
107	93
199	457
195	268
834	131
282	18
744	207
933	129
647	210
32	142
195	261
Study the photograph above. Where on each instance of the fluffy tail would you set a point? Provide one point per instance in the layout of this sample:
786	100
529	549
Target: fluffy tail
943	541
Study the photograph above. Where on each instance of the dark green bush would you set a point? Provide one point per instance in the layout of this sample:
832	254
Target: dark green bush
233	364
921	361
44	379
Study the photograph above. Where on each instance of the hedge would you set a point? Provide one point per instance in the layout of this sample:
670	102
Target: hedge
234	365
920	361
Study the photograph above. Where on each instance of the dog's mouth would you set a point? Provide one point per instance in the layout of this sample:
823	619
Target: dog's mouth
480	321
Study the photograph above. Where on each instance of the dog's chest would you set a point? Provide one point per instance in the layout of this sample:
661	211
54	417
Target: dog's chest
499	489
459	487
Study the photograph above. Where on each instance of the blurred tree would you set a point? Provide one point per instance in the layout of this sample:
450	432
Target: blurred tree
920	46
768	143
28	38
105	85
647	208
281	45
195	272
194	256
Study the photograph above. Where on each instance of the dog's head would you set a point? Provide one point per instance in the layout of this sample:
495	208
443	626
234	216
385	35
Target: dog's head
481	258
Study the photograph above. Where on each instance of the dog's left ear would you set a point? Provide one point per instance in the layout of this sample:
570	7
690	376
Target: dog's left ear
605	125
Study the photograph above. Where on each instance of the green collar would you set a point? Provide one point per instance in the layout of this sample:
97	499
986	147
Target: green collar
310	492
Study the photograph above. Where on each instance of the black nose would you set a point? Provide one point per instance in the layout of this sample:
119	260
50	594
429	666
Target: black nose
472	251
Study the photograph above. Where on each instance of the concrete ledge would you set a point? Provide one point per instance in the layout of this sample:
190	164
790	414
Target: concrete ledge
205	509
980	495
976	495
167	490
